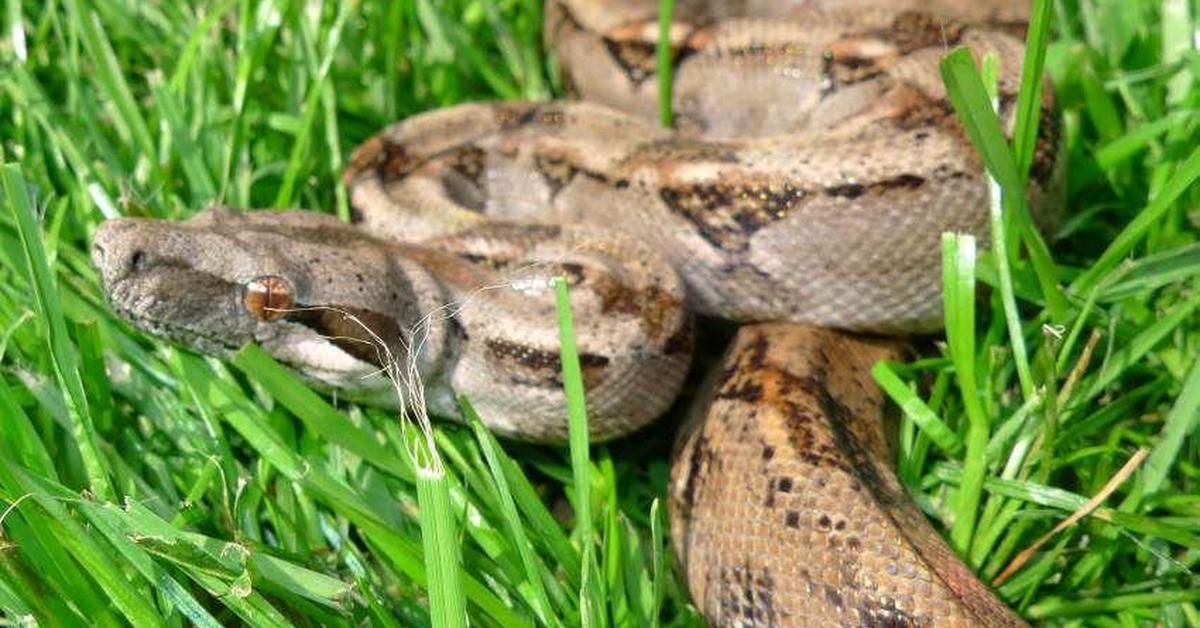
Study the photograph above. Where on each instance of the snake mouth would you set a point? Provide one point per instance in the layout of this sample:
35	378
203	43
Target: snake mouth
206	313
183	305
210	344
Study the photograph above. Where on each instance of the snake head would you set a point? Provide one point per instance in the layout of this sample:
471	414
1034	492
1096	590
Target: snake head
320	297
175	281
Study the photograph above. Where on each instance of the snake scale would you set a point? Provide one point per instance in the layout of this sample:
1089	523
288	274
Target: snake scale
814	164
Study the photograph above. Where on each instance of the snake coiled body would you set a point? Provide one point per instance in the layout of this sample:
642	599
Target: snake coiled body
815	163
830	214
784	505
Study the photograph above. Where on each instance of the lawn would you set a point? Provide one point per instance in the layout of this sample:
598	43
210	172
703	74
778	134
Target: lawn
143	484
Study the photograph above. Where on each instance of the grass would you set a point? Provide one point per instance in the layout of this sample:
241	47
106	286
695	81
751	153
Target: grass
143	484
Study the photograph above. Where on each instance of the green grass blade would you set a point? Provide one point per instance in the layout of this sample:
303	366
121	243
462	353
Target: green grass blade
1178	28
659	569
542	524
1116	152
1141	344
1059	607
310	109
63	354
447	604
378	524
958	294
576	412
1171	267
1181	180
93	557
16	29
1181	422
19	437
164	583
316	413
203	190
1001	441
592	601
1029	97
1068	502
970	100
46	568
110	77
916	409
540	601
666	64
1001	248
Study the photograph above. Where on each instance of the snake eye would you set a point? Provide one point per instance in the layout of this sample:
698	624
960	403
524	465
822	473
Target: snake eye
268	298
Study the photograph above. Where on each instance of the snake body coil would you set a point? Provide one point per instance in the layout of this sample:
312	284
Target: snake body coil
815	166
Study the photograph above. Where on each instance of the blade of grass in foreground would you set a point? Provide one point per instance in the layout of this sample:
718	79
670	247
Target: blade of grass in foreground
539	600
657	546
378	524
591	599
87	550
973	102
447	605
576	410
63	354
915	409
958	295
1029	97
316	413
974	109
666	112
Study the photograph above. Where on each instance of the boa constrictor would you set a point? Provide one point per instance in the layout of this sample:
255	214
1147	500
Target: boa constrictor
815	164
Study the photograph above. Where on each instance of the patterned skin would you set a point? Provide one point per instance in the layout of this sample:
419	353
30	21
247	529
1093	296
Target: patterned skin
784	507
815	164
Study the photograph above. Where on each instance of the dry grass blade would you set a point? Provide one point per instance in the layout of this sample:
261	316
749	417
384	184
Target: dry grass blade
1092	504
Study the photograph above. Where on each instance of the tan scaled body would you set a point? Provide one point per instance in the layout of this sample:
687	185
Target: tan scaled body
784	505
815	164
822	205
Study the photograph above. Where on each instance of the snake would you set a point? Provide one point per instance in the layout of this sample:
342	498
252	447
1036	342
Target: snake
814	163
